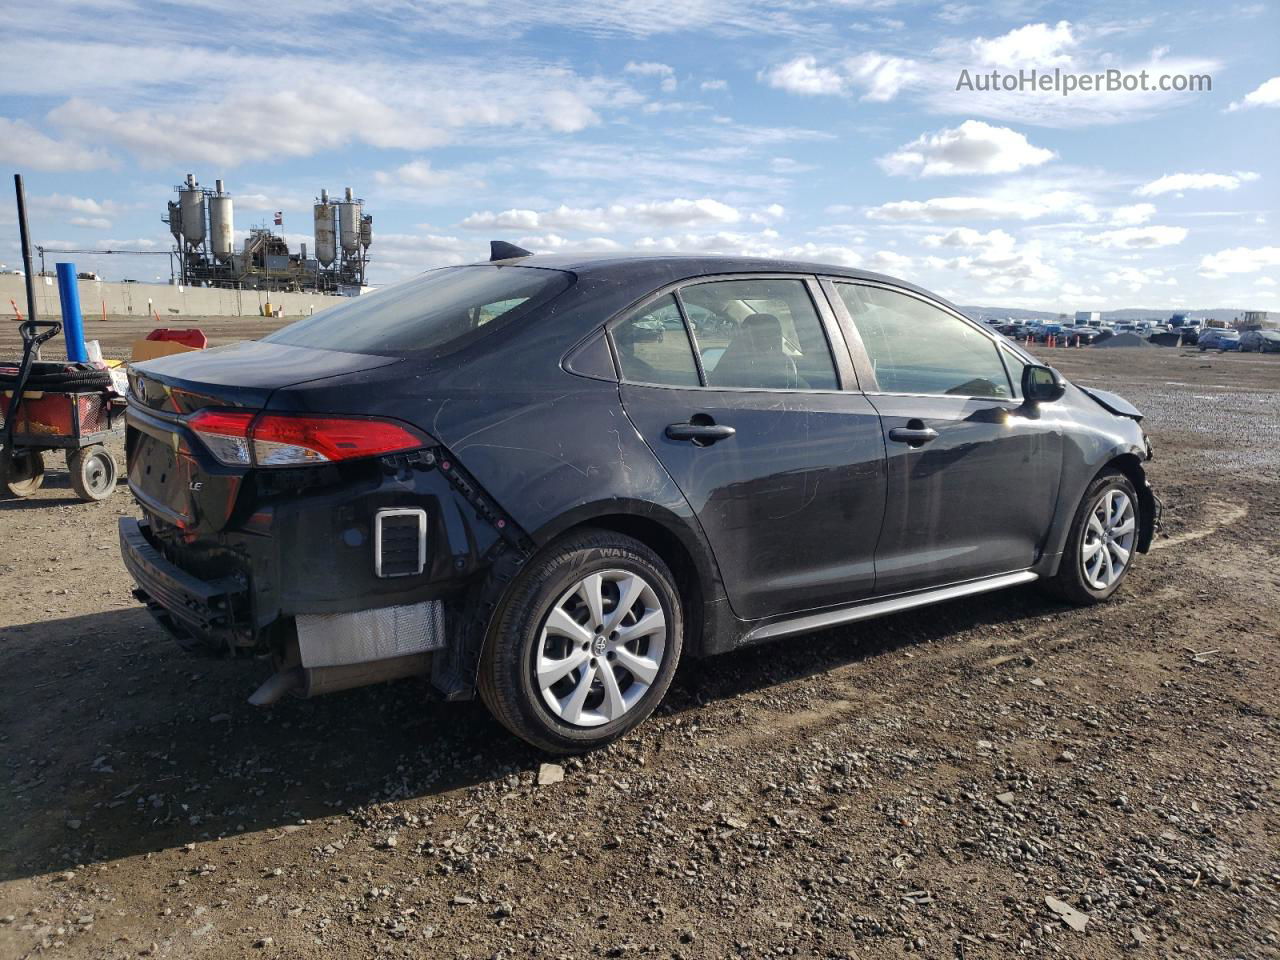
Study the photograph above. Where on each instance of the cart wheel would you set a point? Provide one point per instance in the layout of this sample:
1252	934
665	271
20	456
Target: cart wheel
93	472
23	472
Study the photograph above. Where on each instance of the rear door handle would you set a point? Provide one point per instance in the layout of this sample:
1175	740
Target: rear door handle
915	436
700	433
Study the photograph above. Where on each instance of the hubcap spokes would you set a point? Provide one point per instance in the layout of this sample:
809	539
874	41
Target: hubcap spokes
1108	539
600	648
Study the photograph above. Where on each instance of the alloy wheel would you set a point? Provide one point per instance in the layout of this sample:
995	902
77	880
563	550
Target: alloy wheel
600	648
1108	539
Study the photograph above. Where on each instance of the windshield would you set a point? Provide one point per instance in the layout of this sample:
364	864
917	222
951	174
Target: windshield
433	315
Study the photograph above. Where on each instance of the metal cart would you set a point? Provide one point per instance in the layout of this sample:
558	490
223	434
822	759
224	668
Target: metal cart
57	406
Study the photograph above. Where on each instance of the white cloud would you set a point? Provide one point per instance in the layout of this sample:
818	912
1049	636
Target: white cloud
803	75
677	212
554	243
979	208
1141	238
766	243
664	72
1036	45
62	201
968	237
972	147
993	260
879	77
649	69
1133	279
714	85
1178	182
95	223
774	211
240	107
421	174
1239	260
22	145
889	261
1266	95
1132	214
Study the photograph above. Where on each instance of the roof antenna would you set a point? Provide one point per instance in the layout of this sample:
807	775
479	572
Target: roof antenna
501	250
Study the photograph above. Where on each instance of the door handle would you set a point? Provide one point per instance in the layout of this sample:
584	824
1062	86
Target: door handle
703	434
915	436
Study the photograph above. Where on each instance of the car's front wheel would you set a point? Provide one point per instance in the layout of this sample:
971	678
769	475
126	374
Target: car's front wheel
1102	542
585	643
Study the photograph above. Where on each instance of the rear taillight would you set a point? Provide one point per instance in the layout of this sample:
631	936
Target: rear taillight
226	434
288	440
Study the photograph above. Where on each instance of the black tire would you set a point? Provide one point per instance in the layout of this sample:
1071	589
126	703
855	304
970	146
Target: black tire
22	473
506	676
93	472
1070	582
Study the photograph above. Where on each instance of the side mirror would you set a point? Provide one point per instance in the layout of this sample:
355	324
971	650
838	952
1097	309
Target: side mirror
1041	384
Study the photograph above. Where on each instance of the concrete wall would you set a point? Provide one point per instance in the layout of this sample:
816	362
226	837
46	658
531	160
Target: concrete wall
142	299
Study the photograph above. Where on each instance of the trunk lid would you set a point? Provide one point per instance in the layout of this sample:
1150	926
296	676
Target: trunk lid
170	473
241	374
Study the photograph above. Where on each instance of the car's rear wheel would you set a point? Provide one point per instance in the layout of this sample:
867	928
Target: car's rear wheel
585	644
1102	542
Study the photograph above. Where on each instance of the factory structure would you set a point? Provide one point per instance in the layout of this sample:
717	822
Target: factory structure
202	226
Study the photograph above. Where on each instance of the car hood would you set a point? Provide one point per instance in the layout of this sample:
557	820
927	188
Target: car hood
1114	403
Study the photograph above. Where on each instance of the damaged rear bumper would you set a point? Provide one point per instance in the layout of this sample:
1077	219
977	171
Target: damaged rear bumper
197	613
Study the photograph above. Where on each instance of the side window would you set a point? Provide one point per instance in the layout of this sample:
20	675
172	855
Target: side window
653	346
1014	363
917	348
760	333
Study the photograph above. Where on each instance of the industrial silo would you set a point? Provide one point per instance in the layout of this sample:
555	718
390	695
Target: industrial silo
191	201
220	226
175	221
349	210
326	240
366	231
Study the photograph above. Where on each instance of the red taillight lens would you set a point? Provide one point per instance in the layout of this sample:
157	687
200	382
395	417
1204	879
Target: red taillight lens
285	440
280	440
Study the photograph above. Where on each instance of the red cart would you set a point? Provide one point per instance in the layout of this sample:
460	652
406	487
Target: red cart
57	406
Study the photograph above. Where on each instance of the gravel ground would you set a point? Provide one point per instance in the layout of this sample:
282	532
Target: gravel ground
992	777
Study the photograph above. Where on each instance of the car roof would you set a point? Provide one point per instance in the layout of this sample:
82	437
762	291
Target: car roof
629	265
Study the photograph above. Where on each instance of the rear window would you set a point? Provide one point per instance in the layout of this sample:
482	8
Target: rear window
432	315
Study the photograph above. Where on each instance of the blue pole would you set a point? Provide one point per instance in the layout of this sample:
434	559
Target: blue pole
72	321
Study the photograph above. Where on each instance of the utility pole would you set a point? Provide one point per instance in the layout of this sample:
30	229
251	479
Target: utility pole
26	246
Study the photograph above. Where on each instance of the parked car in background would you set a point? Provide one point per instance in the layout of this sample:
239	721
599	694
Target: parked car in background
1215	338
1263	341
1047	330
495	477
1190	334
1087	336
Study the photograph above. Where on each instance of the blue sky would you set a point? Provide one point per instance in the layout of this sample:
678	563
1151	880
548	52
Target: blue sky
783	128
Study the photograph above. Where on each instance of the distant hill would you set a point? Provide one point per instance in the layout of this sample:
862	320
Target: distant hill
1129	313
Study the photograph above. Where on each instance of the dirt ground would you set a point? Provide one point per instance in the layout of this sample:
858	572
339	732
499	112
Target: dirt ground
946	782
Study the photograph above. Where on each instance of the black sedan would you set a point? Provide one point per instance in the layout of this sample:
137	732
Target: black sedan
1264	341
498	477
